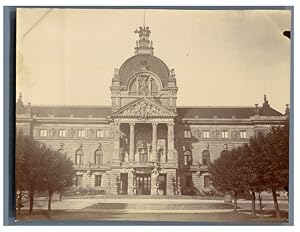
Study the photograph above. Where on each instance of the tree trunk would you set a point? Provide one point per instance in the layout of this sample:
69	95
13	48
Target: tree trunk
49	200
19	202
60	196
235	202
253	204
31	193
260	205
277	210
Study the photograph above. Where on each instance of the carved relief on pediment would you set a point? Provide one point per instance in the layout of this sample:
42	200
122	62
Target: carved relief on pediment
144	109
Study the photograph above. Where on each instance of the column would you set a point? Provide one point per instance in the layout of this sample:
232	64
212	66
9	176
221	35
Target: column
154	141
170	141
131	142
116	157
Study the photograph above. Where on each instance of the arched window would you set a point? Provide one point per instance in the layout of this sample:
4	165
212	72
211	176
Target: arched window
98	157
79	157
188	158
205	157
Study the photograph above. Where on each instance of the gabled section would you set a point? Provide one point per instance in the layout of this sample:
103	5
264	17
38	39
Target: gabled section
144	108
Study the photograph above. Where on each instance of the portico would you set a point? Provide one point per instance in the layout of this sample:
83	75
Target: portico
150	142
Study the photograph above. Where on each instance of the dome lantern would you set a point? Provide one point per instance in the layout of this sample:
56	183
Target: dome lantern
144	45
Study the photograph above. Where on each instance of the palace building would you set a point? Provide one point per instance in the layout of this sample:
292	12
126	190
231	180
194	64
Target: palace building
143	143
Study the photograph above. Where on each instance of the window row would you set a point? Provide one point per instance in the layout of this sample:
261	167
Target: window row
98	157
188	157
206	134
81	133
79	180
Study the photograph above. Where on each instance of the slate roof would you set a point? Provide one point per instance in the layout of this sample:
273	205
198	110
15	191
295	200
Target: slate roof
76	111
183	112
143	62
224	112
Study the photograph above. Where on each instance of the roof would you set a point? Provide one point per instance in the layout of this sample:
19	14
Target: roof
224	112
142	62
183	112
76	111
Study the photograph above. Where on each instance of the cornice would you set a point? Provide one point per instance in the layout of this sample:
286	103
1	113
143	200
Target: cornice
72	120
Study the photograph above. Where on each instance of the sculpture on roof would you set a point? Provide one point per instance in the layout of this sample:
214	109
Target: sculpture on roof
266	102
143	32
116	73
172	73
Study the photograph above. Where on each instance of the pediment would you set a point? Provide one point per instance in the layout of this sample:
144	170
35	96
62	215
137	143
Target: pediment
144	108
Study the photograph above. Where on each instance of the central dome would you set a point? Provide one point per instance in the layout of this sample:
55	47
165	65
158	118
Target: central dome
143	62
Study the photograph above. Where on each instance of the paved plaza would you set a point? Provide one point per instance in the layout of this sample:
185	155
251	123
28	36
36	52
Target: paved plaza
148	209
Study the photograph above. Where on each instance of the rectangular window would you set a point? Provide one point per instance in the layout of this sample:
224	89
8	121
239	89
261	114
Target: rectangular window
243	135
98	180
206	181
81	133
62	133
187	134
206	134
79	180
100	134
43	133
224	134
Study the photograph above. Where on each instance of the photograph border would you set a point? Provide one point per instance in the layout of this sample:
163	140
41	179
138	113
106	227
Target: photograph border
9	64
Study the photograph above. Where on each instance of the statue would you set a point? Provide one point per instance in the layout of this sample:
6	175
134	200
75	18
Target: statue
172	73
143	84
143	32
116	73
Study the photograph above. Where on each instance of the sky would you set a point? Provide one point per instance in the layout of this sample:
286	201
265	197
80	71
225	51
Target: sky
221	58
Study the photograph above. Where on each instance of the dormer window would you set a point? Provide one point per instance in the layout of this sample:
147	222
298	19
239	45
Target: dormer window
224	134
187	134
43	133
81	133
100	133
243	134
206	134
62	133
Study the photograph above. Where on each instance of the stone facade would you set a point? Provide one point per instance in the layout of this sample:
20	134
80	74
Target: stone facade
144	143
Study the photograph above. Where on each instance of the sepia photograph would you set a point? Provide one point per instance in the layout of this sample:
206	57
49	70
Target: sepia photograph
153	115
